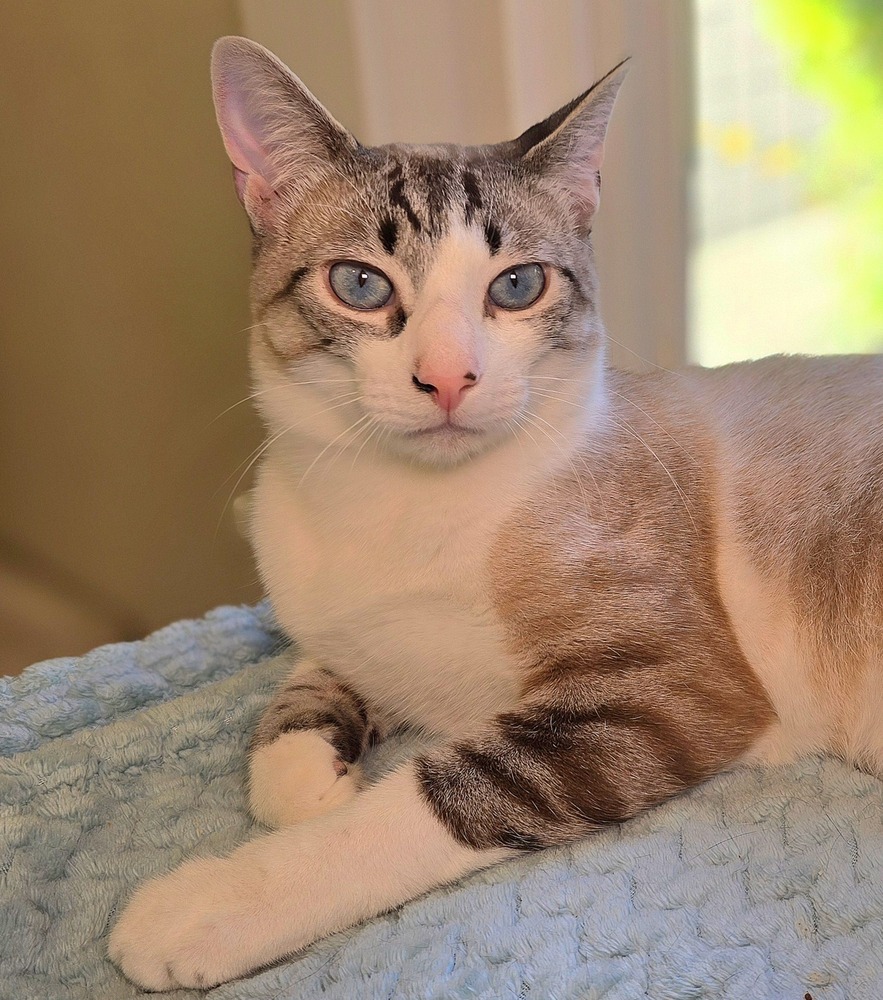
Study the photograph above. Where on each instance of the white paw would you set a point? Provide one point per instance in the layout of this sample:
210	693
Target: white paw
297	777
196	927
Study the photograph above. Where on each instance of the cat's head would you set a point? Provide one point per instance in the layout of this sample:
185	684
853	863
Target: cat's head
432	296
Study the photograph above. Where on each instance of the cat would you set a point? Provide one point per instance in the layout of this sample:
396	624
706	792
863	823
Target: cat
591	589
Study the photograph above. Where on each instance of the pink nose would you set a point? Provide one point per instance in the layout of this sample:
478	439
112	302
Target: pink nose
447	390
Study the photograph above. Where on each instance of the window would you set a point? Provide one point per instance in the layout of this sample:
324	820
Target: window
787	186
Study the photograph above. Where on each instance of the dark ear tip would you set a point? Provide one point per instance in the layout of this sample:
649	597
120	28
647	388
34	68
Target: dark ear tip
619	72
623	66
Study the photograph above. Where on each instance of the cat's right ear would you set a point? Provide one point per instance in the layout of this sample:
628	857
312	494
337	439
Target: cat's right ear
279	138
568	147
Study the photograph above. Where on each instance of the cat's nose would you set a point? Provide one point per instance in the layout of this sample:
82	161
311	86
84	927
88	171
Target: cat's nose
446	390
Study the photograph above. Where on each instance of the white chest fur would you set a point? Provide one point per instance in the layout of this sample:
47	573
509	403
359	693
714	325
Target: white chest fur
381	574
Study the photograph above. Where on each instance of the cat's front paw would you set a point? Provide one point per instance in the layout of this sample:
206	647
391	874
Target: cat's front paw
198	926
297	777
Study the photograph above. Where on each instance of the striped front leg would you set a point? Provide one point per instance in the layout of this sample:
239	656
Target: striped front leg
303	759
584	749
541	775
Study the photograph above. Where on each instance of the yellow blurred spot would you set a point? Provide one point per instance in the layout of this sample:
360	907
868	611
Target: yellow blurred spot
781	159
735	143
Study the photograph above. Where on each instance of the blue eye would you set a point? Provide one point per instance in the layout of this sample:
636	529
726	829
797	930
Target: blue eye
518	287
359	286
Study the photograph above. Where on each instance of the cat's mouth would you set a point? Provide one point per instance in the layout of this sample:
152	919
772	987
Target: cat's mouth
443	430
444	443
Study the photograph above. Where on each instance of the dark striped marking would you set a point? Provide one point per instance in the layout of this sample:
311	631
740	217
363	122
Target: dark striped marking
290	285
396	323
398	198
571	277
319	700
493	235
546	773
474	203
520	841
436	177
389	234
319	329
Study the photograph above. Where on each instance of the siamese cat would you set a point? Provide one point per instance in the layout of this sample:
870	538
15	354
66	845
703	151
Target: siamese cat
591	589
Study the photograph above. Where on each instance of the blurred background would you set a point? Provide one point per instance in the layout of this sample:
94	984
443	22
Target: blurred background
742	216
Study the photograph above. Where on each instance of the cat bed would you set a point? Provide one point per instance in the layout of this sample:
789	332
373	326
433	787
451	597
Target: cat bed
119	764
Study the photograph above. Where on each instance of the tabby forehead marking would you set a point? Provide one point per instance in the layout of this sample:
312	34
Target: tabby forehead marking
474	202
435	175
388	232
428	189
398	198
493	235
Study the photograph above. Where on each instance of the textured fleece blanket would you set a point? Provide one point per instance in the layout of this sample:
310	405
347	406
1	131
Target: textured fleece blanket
758	885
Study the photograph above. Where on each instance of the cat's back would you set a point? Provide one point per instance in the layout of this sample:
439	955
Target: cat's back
761	483
798	446
798	485
785	405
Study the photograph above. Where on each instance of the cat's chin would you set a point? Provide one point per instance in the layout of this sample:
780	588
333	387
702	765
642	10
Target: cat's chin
445	445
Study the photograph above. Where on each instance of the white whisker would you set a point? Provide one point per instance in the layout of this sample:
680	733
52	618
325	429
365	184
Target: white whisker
260	451
377	426
353	397
624	425
366	416
364	429
533	418
274	388
549	395
640	357
650	417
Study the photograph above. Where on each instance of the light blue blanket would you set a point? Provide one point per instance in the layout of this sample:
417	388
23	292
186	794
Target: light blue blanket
758	885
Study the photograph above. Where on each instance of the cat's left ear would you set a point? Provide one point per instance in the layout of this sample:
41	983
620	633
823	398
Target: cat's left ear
568	146
280	139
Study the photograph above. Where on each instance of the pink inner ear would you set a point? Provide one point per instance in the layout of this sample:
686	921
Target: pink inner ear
241	131
583	174
583	183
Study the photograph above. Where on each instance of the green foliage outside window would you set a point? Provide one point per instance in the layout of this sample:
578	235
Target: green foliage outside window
837	52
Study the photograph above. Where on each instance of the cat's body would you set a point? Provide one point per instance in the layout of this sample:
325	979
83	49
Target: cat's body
772	468
592	589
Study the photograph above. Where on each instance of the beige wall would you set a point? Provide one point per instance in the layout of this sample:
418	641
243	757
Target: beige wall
122	310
